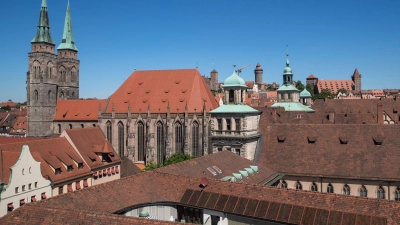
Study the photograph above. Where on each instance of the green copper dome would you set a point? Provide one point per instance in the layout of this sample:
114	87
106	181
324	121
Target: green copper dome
287	69
305	94
234	80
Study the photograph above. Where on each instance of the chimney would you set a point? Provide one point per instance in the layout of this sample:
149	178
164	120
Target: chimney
379	113
332	116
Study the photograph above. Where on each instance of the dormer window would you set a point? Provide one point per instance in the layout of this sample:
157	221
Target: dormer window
80	166
314	187
57	171
105	157
298	185
312	139
69	168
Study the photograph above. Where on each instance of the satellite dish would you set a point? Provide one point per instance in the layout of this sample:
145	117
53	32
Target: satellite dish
203	182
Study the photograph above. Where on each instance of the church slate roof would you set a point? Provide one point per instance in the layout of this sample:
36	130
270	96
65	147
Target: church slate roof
274	204
159	88
371	151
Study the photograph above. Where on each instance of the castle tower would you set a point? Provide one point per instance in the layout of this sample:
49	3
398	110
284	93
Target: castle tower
68	65
356	77
258	73
214	80
41	79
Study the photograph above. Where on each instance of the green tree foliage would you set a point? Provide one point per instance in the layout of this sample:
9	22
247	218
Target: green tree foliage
174	158
270	88
299	85
325	93
342	90
7	108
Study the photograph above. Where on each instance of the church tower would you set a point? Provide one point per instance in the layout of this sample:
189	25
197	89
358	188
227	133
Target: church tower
356	77
41	79
258	73
68	64
214	80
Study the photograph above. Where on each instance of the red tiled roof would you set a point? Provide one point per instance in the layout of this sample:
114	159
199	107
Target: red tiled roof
6	140
316	150
226	161
8	159
311	76
52	153
158	88
79	109
334	85
150	187
272	94
90	141
11	104
43	215
249	84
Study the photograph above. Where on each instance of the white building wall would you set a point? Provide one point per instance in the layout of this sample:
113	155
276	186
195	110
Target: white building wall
26	176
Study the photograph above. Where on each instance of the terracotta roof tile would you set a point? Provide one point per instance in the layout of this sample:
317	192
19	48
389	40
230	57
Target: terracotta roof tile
52	153
158	88
79	109
302	153
173	189
224	163
311	76
334	85
89	142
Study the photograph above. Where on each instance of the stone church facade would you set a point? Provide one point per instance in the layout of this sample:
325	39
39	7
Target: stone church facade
50	77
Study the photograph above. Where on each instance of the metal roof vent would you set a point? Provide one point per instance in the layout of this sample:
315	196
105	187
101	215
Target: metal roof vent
255	168
238	176
244	173
249	170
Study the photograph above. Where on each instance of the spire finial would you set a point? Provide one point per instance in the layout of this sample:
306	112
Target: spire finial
214	65
287	56
68	35
44	3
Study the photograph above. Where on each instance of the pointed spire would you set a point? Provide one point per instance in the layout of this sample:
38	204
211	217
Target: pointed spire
43	30
68	35
287	56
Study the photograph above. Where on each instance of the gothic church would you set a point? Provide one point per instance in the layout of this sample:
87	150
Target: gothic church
50	77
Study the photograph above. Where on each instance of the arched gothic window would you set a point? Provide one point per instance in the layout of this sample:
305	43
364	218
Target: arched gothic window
363	191
298	186
62	72
73	74
120	139
195	139
314	187
160	143
346	189
70	126
109	131
329	188
397	194
380	193
36	95
36	69
140	138
50	70
231	96
179	138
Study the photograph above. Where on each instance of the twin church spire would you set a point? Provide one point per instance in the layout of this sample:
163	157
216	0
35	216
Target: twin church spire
43	34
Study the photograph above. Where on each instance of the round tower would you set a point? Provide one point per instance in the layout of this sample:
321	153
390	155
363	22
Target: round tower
258	73
214	79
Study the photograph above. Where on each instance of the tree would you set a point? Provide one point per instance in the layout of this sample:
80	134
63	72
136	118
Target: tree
7	108
174	158
341	90
325	93
299	85
270	88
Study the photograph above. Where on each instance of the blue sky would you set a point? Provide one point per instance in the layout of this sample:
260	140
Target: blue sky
326	38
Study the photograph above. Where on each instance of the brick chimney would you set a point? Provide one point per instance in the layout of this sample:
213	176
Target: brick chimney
379	113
